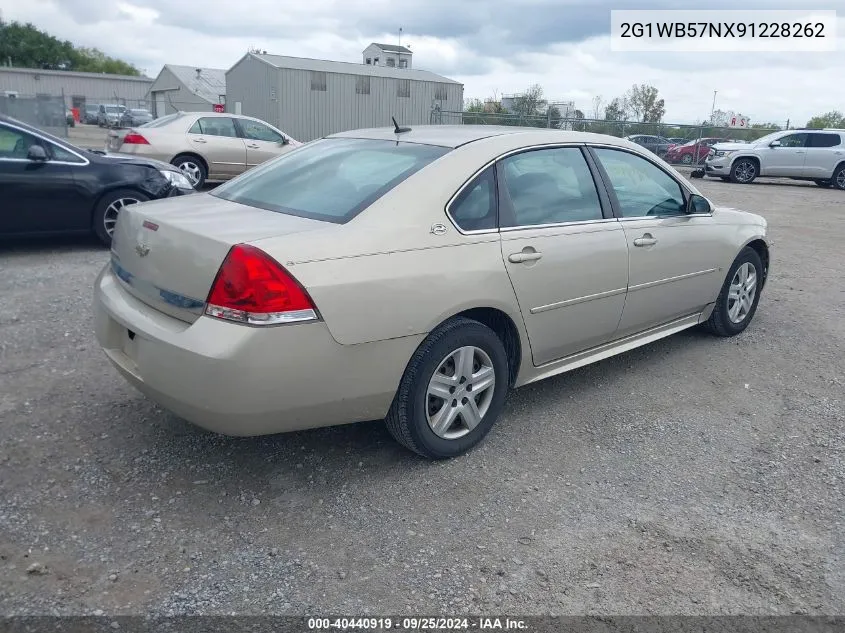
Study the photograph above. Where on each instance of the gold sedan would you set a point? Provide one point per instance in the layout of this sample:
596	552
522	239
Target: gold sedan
416	275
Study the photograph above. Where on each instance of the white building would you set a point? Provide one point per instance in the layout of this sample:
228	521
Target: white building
389	55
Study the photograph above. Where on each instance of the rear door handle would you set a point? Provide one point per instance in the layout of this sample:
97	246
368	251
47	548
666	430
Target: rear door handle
645	240
200	140
518	258
253	146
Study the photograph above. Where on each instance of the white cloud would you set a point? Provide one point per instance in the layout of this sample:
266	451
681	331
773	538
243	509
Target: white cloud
480	44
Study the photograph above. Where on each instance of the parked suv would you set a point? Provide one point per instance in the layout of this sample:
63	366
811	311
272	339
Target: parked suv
110	115
815	155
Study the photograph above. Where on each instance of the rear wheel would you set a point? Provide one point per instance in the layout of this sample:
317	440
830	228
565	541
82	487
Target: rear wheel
686	159
744	171
839	178
108	209
737	302
452	391
193	168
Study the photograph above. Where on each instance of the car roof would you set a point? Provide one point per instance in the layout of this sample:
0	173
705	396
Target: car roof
457	135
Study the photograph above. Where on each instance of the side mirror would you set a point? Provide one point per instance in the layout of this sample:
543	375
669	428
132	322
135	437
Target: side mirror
36	153
284	141
698	204
774	144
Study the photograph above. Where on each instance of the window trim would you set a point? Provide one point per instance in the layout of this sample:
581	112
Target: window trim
614	201
604	200
44	140
471	181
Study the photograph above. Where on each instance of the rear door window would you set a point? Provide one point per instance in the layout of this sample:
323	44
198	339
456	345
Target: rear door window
331	179
215	126
817	139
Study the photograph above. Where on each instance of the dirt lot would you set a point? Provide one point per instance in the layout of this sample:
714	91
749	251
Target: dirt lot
696	475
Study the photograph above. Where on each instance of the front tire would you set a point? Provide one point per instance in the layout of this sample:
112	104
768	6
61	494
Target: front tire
108	209
452	392
744	171
737	302
824	183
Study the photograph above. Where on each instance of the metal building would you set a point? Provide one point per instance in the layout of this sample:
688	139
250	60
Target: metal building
310	98
188	89
77	88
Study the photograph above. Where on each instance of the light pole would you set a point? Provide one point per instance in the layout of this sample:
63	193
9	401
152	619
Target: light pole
713	109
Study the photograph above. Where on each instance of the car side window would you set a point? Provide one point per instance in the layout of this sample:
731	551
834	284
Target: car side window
642	188
61	154
256	131
818	139
793	140
475	207
14	143
216	126
548	186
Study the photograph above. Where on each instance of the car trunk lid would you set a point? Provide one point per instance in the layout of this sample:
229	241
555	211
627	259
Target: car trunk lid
167	253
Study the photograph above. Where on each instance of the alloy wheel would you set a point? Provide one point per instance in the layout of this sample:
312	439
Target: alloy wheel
191	170
745	171
460	392
742	291
840	179
113	210
686	159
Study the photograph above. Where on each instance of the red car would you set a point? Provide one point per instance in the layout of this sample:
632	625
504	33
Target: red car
692	152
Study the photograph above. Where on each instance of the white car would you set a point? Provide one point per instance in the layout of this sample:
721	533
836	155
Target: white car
815	155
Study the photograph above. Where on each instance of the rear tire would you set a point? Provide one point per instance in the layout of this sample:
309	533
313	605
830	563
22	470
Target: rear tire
744	171
838	180
824	183
193	168
429	424
686	159
730	315
725	178
108	210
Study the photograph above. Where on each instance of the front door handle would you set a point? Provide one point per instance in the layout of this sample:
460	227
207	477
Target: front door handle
645	240
200	140
518	258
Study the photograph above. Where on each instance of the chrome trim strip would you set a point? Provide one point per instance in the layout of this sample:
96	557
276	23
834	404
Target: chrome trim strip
659	282
84	160
510	229
640	218
584	299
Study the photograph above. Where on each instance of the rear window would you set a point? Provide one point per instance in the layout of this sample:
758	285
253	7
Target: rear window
163	120
331	179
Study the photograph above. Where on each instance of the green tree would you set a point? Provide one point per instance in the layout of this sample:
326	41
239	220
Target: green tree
833	119
617	110
25	46
646	104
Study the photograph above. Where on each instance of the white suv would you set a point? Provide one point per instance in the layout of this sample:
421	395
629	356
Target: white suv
816	155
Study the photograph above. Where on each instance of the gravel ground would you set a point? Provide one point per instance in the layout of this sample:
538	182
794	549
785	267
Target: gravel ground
696	475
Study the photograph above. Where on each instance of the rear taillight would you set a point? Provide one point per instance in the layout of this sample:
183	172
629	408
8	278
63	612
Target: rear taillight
251	287
135	139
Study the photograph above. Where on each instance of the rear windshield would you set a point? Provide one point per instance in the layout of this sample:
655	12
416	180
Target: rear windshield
331	179
163	120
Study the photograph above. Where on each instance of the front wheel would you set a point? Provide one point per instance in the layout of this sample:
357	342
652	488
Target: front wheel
108	209
824	183
452	391
744	171
737	302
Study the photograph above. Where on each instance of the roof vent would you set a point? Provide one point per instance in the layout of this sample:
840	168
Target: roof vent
199	72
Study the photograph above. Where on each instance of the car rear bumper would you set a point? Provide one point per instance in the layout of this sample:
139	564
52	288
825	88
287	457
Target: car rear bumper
240	380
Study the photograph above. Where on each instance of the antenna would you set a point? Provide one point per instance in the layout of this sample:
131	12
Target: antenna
400	36
397	129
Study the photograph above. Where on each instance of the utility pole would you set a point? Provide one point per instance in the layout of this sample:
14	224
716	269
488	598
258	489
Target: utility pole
713	109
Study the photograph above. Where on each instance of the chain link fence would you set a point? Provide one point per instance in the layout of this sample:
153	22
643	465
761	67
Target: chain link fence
665	133
44	112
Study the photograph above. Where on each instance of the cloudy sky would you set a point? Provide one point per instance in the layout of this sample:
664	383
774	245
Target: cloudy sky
492	46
